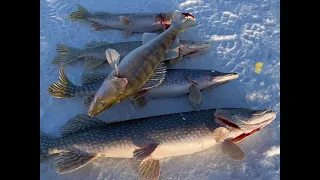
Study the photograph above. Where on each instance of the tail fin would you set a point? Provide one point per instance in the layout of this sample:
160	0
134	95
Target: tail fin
45	145
81	14
64	88
66	54
181	22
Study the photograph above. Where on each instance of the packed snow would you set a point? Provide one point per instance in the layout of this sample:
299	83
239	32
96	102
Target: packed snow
243	33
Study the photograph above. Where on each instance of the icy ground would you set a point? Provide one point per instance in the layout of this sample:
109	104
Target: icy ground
244	33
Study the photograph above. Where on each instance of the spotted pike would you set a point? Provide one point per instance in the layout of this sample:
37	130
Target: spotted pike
150	139
178	82
94	53
142	69
129	22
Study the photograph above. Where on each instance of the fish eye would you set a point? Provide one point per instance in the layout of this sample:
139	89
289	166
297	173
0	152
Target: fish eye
101	103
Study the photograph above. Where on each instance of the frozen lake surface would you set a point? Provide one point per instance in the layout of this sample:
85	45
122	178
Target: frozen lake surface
243	33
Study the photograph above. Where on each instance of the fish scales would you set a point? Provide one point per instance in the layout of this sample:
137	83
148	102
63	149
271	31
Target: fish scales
125	137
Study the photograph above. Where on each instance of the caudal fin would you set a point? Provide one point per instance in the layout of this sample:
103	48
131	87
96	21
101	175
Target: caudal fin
64	88
45	144
181	22
66	54
81	14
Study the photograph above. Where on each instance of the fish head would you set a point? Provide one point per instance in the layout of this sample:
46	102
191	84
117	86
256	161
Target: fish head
243	122
107	95
166	18
220	78
193	48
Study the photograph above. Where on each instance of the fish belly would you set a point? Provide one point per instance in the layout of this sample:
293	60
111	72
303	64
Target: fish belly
183	147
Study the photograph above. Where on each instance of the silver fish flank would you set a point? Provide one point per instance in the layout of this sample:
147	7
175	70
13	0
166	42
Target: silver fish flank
177	83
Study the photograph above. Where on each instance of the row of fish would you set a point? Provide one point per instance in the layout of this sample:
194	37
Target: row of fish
141	70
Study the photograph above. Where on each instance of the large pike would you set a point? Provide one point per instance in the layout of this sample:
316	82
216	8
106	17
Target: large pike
178	82
129	22
94	53
150	139
142	69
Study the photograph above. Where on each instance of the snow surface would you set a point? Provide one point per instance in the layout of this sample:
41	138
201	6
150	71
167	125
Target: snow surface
244	33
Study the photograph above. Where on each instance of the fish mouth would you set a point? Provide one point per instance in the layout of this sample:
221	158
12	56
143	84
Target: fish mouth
166	18
189	16
193	48
248	128
223	79
92	113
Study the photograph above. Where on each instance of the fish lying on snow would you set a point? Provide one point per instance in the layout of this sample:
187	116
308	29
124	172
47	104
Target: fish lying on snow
178	82
129	22
142	69
150	139
94	53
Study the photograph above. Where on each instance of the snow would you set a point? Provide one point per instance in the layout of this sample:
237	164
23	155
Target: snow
243	33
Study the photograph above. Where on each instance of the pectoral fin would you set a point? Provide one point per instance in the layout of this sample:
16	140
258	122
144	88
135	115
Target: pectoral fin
232	150
195	95
113	58
68	162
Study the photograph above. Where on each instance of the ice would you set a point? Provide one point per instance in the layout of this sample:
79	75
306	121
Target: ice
243	33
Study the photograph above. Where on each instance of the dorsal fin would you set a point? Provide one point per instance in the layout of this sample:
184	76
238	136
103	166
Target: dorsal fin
156	78
80	123
92	77
94	44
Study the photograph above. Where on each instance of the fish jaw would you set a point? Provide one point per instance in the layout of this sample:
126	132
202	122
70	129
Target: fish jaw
219	78
243	122
105	97
165	19
193	48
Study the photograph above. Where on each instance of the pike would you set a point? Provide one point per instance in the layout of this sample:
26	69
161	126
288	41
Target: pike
142	69
94	52
128	22
177	83
151	139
